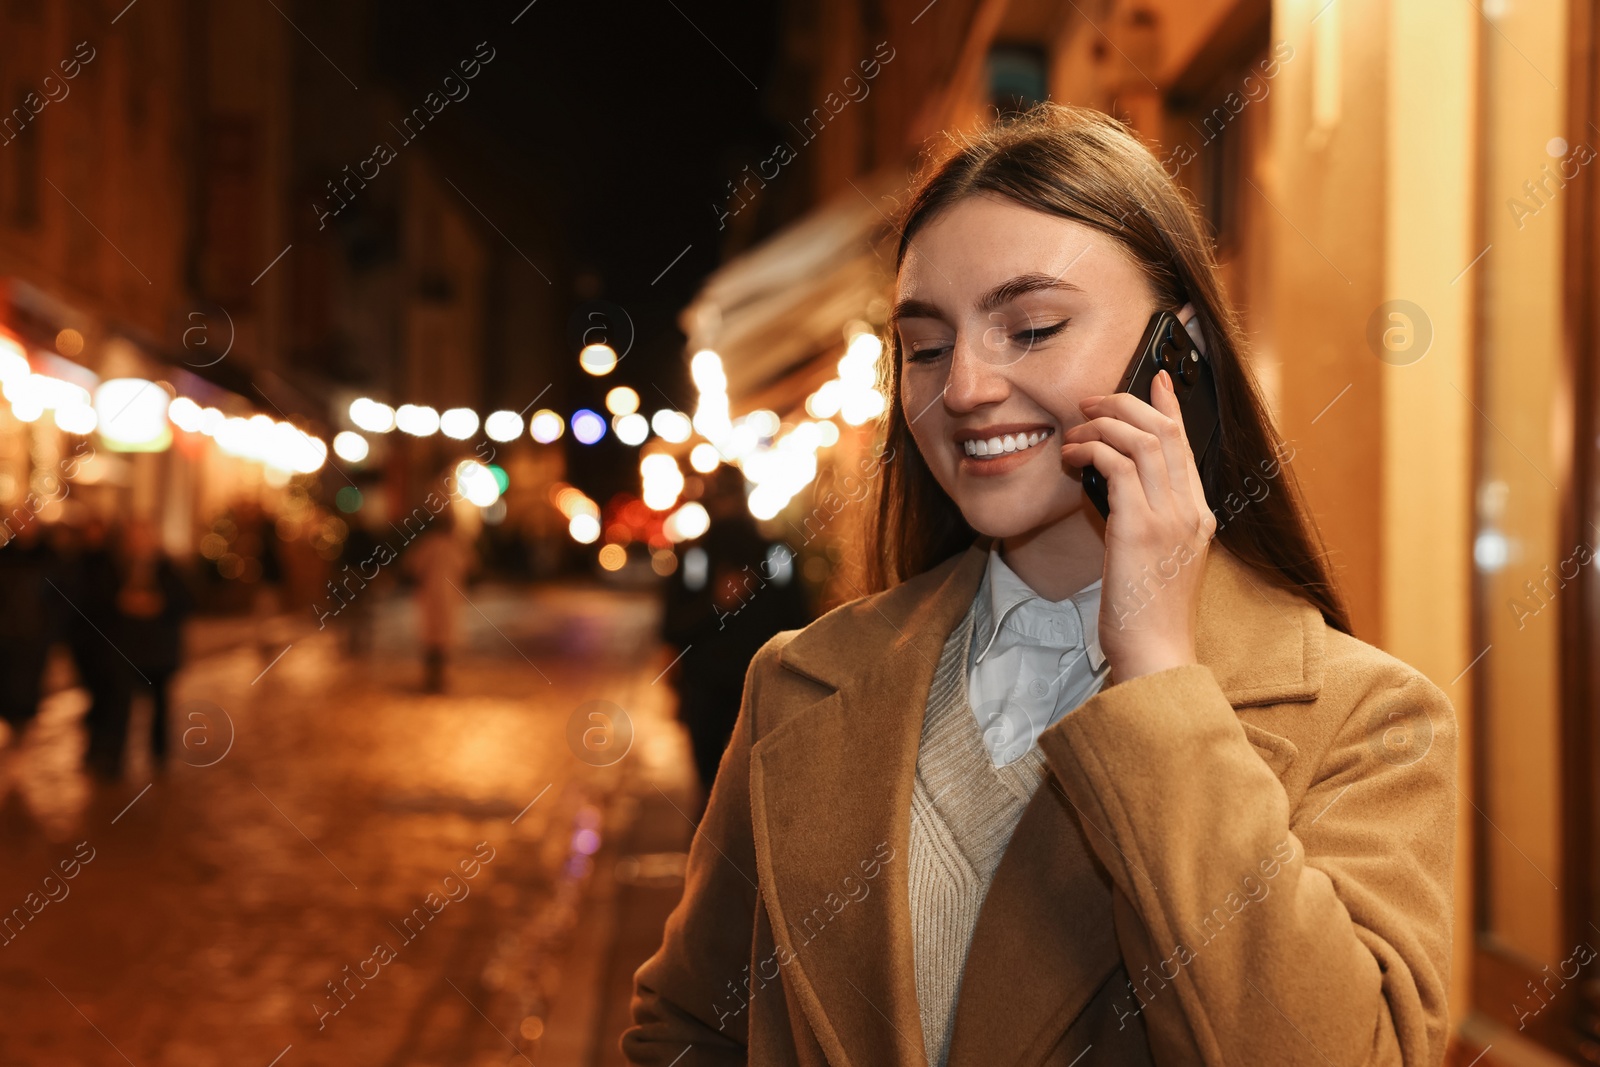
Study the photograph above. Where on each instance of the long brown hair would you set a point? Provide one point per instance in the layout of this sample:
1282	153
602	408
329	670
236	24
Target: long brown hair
1086	166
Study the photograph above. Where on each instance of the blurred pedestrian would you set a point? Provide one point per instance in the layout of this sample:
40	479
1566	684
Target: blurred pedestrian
732	591
257	539
152	601
29	618
439	561
92	587
359	557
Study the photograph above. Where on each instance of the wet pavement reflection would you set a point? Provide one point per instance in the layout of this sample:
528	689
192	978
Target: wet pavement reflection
338	868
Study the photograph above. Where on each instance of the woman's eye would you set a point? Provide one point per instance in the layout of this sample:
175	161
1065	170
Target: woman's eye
1041	333
926	353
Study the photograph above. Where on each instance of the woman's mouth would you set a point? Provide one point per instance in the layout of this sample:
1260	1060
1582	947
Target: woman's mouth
984	448
1001	453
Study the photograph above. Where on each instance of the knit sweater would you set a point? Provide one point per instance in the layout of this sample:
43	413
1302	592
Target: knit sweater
963	812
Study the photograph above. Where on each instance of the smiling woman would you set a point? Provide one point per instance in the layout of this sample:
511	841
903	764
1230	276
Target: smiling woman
1177	834
1098	238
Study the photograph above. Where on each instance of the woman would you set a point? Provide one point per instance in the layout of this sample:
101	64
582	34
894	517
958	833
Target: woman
989	816
440	562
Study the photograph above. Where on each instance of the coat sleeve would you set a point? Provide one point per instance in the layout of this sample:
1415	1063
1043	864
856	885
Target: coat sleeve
683	995
1254	932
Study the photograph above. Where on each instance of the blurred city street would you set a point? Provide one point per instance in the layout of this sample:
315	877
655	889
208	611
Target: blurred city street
314	804
415	417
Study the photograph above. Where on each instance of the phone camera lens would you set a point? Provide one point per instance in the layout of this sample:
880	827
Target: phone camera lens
1189	367
1167	358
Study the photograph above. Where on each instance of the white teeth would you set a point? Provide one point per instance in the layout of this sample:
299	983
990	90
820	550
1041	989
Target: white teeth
999	445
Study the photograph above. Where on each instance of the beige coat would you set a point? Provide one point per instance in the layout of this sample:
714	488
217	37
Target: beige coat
1245	861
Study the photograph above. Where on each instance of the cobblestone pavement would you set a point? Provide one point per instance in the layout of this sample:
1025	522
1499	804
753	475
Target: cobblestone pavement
339	869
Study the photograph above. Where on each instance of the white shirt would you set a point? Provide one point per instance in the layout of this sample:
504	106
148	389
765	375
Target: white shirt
1031	660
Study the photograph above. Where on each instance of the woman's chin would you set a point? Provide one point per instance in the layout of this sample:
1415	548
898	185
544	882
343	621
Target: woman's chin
1005	523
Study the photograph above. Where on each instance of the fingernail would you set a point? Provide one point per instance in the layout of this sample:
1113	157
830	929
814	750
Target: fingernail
1092	399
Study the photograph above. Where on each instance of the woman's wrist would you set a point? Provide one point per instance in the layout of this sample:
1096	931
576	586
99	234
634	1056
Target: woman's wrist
1151	662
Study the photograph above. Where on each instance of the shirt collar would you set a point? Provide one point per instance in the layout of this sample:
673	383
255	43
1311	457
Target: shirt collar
1002	591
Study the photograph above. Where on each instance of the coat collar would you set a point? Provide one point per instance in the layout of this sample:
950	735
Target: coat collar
831	793
1262	642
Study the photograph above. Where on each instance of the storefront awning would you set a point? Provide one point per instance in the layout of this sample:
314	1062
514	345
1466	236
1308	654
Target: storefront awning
777	307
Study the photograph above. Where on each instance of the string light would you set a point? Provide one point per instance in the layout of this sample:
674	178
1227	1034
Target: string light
416	421
632	428
777	465
459	423
371	416
546	426
587	427
503	425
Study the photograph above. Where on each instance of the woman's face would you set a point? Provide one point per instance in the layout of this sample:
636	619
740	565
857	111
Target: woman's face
1007	317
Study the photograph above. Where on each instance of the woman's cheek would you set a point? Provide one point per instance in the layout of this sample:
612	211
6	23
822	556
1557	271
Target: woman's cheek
921	421
920	433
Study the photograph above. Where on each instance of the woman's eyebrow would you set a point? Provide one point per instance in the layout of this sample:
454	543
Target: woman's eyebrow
999	296
912	308
1021	285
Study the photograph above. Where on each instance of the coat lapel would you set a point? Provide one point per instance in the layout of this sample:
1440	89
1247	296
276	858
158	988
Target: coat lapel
831	798
1044	942
831	807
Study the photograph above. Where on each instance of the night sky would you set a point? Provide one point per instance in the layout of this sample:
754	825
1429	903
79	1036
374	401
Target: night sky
601	139
618	122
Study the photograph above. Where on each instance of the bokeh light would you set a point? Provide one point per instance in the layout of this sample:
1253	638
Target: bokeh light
132	411
671	425
417	421
633	429
350	446
622	400
688	522
185	414
372	416
503	425
584	528
459	423
598	359
477	483
704	457
587	427
546	426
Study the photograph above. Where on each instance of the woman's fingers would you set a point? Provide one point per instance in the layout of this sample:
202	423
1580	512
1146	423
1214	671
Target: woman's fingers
1125	491
1160	425
1143	449
1186	471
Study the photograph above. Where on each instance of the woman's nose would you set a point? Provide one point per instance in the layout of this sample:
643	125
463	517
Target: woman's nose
974	379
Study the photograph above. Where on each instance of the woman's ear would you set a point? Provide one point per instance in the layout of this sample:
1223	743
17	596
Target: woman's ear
1191	322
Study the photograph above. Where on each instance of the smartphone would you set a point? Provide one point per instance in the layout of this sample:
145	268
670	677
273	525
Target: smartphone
1166	345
